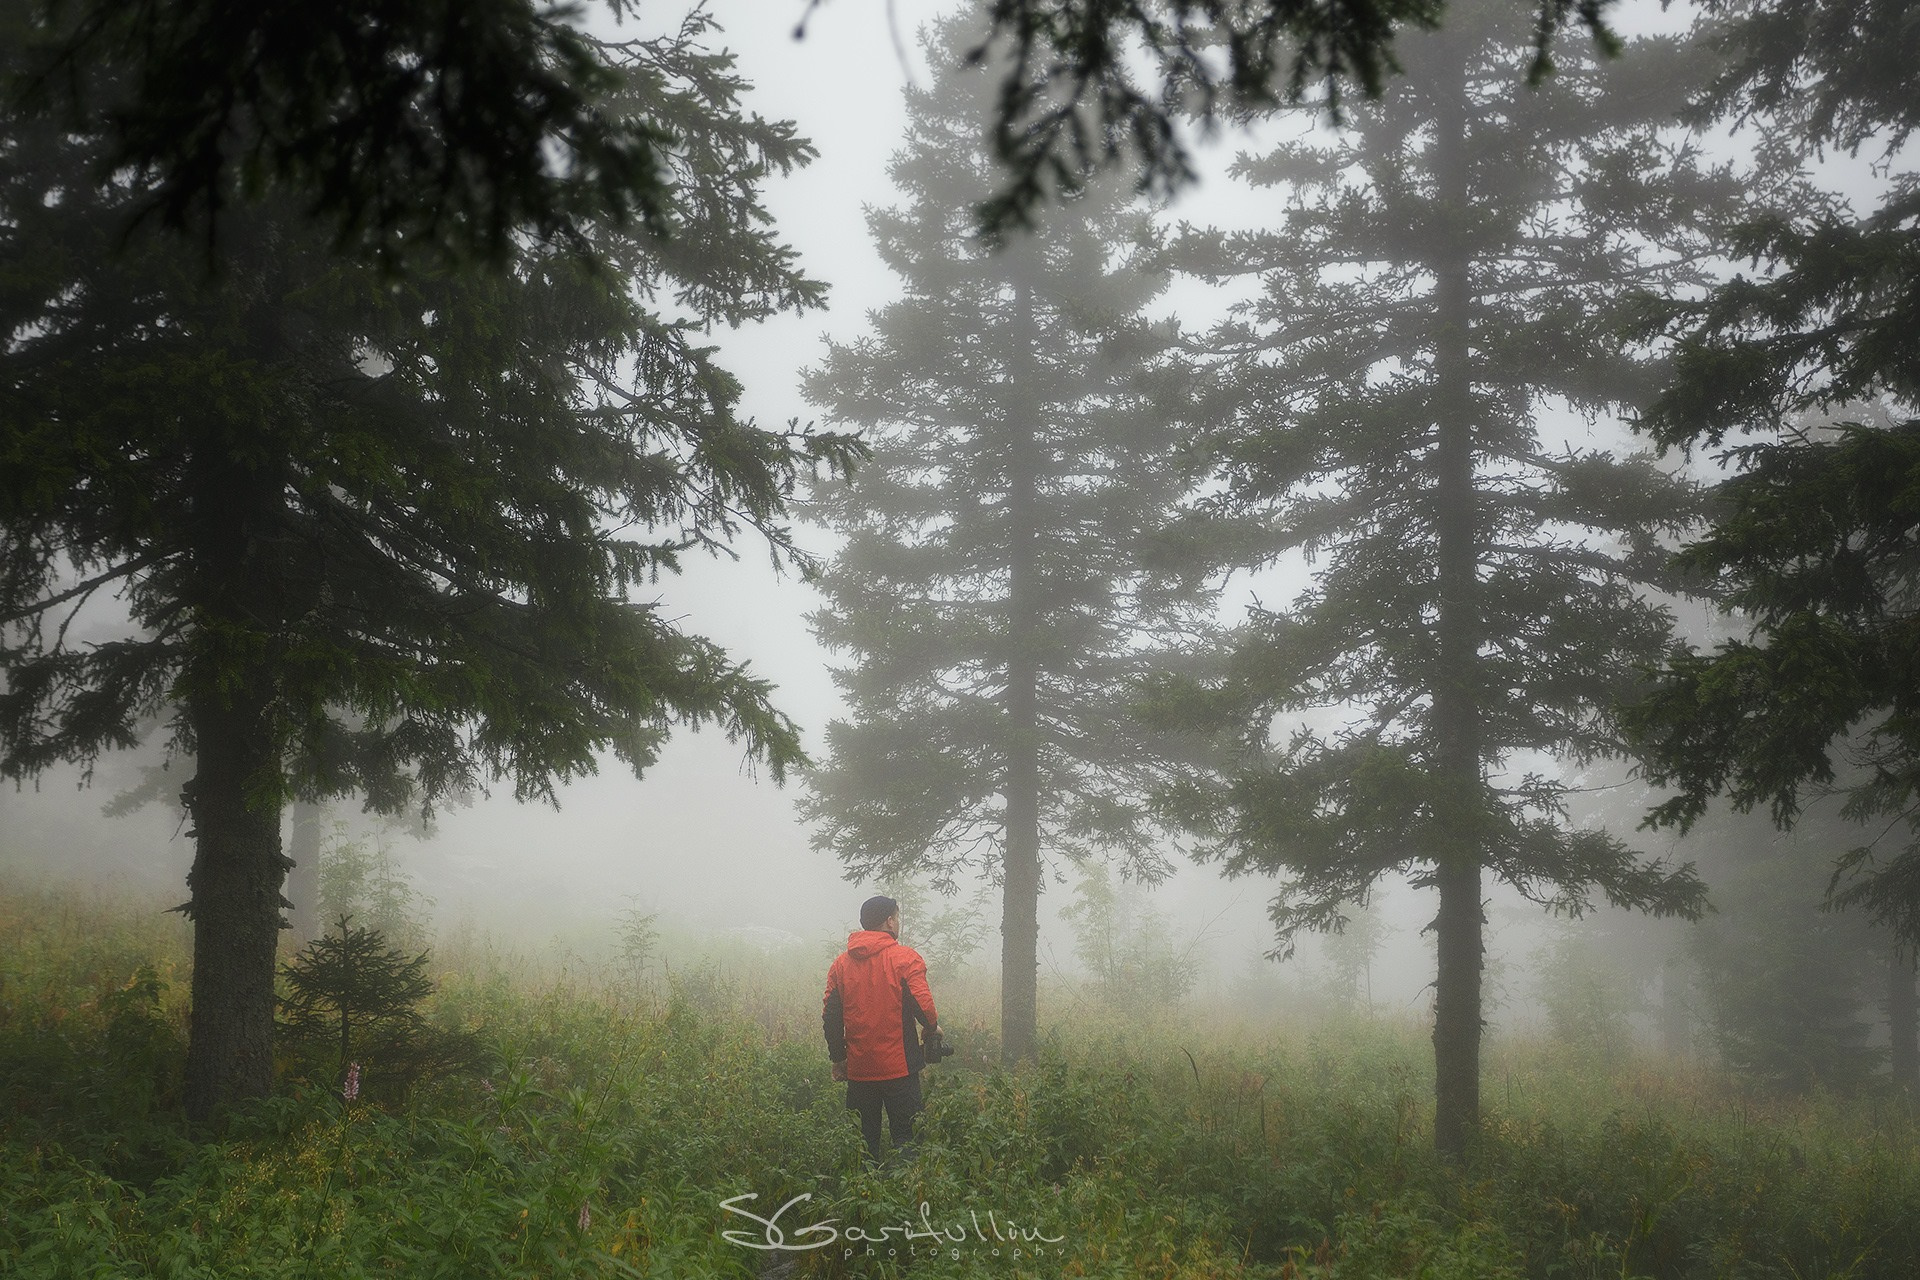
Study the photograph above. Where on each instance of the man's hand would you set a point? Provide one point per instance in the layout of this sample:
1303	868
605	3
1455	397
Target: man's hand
839	1071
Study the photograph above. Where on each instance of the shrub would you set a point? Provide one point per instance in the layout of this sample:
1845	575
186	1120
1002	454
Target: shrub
352	998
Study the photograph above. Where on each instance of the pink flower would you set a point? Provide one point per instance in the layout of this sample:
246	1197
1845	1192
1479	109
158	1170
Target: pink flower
351	1089
586	1216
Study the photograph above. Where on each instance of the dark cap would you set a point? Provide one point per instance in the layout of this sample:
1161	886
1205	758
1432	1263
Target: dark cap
875	911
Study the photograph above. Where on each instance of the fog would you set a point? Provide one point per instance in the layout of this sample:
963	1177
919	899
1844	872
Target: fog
711	844
705	839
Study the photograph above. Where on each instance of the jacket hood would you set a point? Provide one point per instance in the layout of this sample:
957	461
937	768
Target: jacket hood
868	943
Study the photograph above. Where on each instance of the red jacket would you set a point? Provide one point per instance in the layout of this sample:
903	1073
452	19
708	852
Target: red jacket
876	991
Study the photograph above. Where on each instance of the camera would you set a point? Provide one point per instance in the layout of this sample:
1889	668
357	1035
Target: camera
934	1046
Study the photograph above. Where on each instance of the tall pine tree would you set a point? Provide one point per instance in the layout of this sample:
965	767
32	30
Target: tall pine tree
373	536
1804	367
1435	293
1008	568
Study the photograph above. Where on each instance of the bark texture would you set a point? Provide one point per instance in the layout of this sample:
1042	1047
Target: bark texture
238	866
235	884
303	874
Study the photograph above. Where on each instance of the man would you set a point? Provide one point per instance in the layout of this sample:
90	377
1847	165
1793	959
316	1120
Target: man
876	992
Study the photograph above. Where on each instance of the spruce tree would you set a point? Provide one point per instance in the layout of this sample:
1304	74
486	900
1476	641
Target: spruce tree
419	133
1437	290
448	126
1788	989
1009	565
1072	100
373	536
353	981
1804	368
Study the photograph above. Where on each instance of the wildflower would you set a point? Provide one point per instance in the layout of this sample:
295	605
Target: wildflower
351	1089
486	1086
586	1216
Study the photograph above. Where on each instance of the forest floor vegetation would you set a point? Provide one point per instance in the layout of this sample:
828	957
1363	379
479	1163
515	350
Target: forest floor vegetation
663	1125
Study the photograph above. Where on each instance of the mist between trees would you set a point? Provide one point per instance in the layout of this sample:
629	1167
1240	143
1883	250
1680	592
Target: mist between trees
1512	525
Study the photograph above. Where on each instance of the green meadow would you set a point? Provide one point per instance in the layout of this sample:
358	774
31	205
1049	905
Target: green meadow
602	1122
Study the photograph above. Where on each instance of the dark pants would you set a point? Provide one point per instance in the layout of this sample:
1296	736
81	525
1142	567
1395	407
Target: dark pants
900	1098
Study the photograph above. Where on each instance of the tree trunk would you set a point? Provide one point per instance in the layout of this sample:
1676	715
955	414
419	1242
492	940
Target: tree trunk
235	903
303	875
1456	719
1903	1019
1020	892
232	800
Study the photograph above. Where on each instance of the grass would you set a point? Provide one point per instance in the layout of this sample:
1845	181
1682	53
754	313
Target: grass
613	1117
